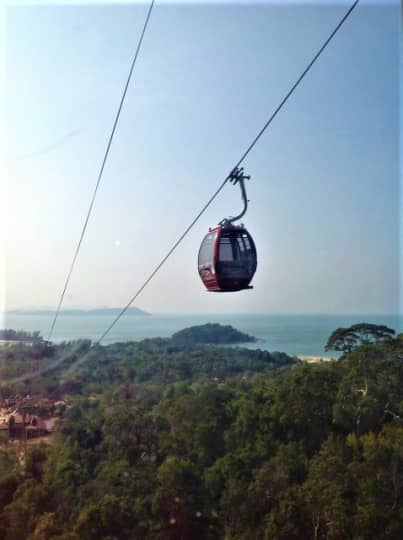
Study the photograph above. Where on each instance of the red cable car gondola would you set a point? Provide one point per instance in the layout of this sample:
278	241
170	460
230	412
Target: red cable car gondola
227	255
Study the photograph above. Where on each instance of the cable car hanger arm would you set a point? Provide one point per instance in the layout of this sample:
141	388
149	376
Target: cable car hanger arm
237	176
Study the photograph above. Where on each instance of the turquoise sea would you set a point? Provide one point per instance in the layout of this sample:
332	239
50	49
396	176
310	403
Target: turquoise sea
293	334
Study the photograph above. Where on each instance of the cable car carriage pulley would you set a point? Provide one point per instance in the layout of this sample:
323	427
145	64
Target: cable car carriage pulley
227	257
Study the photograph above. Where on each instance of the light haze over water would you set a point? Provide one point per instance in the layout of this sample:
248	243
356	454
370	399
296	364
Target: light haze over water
303	335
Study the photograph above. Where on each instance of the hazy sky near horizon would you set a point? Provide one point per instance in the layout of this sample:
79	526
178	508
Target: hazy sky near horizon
325	195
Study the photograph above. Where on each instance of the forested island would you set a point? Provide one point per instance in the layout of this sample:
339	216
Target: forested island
160	440
211	333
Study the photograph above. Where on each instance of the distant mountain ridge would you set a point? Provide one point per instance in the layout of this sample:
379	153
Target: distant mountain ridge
133	311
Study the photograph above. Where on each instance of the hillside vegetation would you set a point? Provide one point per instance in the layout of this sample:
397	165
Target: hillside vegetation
170	442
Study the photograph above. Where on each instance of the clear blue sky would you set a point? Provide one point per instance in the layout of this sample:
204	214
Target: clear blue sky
325	208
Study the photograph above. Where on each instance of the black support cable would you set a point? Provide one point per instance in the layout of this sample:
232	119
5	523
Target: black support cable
57	312
255	140
280	106
150	277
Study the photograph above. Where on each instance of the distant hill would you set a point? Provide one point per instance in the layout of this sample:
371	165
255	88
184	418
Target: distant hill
211	334
9	335
133	311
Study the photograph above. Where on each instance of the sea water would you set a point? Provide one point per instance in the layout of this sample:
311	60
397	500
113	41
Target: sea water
302	335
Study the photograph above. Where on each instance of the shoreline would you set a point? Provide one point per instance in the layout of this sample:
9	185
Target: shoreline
314	359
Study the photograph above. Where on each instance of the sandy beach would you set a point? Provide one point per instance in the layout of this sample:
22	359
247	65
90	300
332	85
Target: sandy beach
315	359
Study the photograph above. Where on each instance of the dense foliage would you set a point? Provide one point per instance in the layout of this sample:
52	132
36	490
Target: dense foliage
166	442
78	368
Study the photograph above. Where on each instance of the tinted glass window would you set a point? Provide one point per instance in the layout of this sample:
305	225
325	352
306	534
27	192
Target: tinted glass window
246	241
206	250
226	251
241	245
236	246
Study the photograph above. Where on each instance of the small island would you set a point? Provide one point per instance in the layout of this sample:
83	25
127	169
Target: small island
211	333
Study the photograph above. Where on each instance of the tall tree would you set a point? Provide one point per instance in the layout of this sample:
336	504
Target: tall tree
348	339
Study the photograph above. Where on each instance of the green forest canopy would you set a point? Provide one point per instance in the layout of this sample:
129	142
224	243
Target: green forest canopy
270	448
